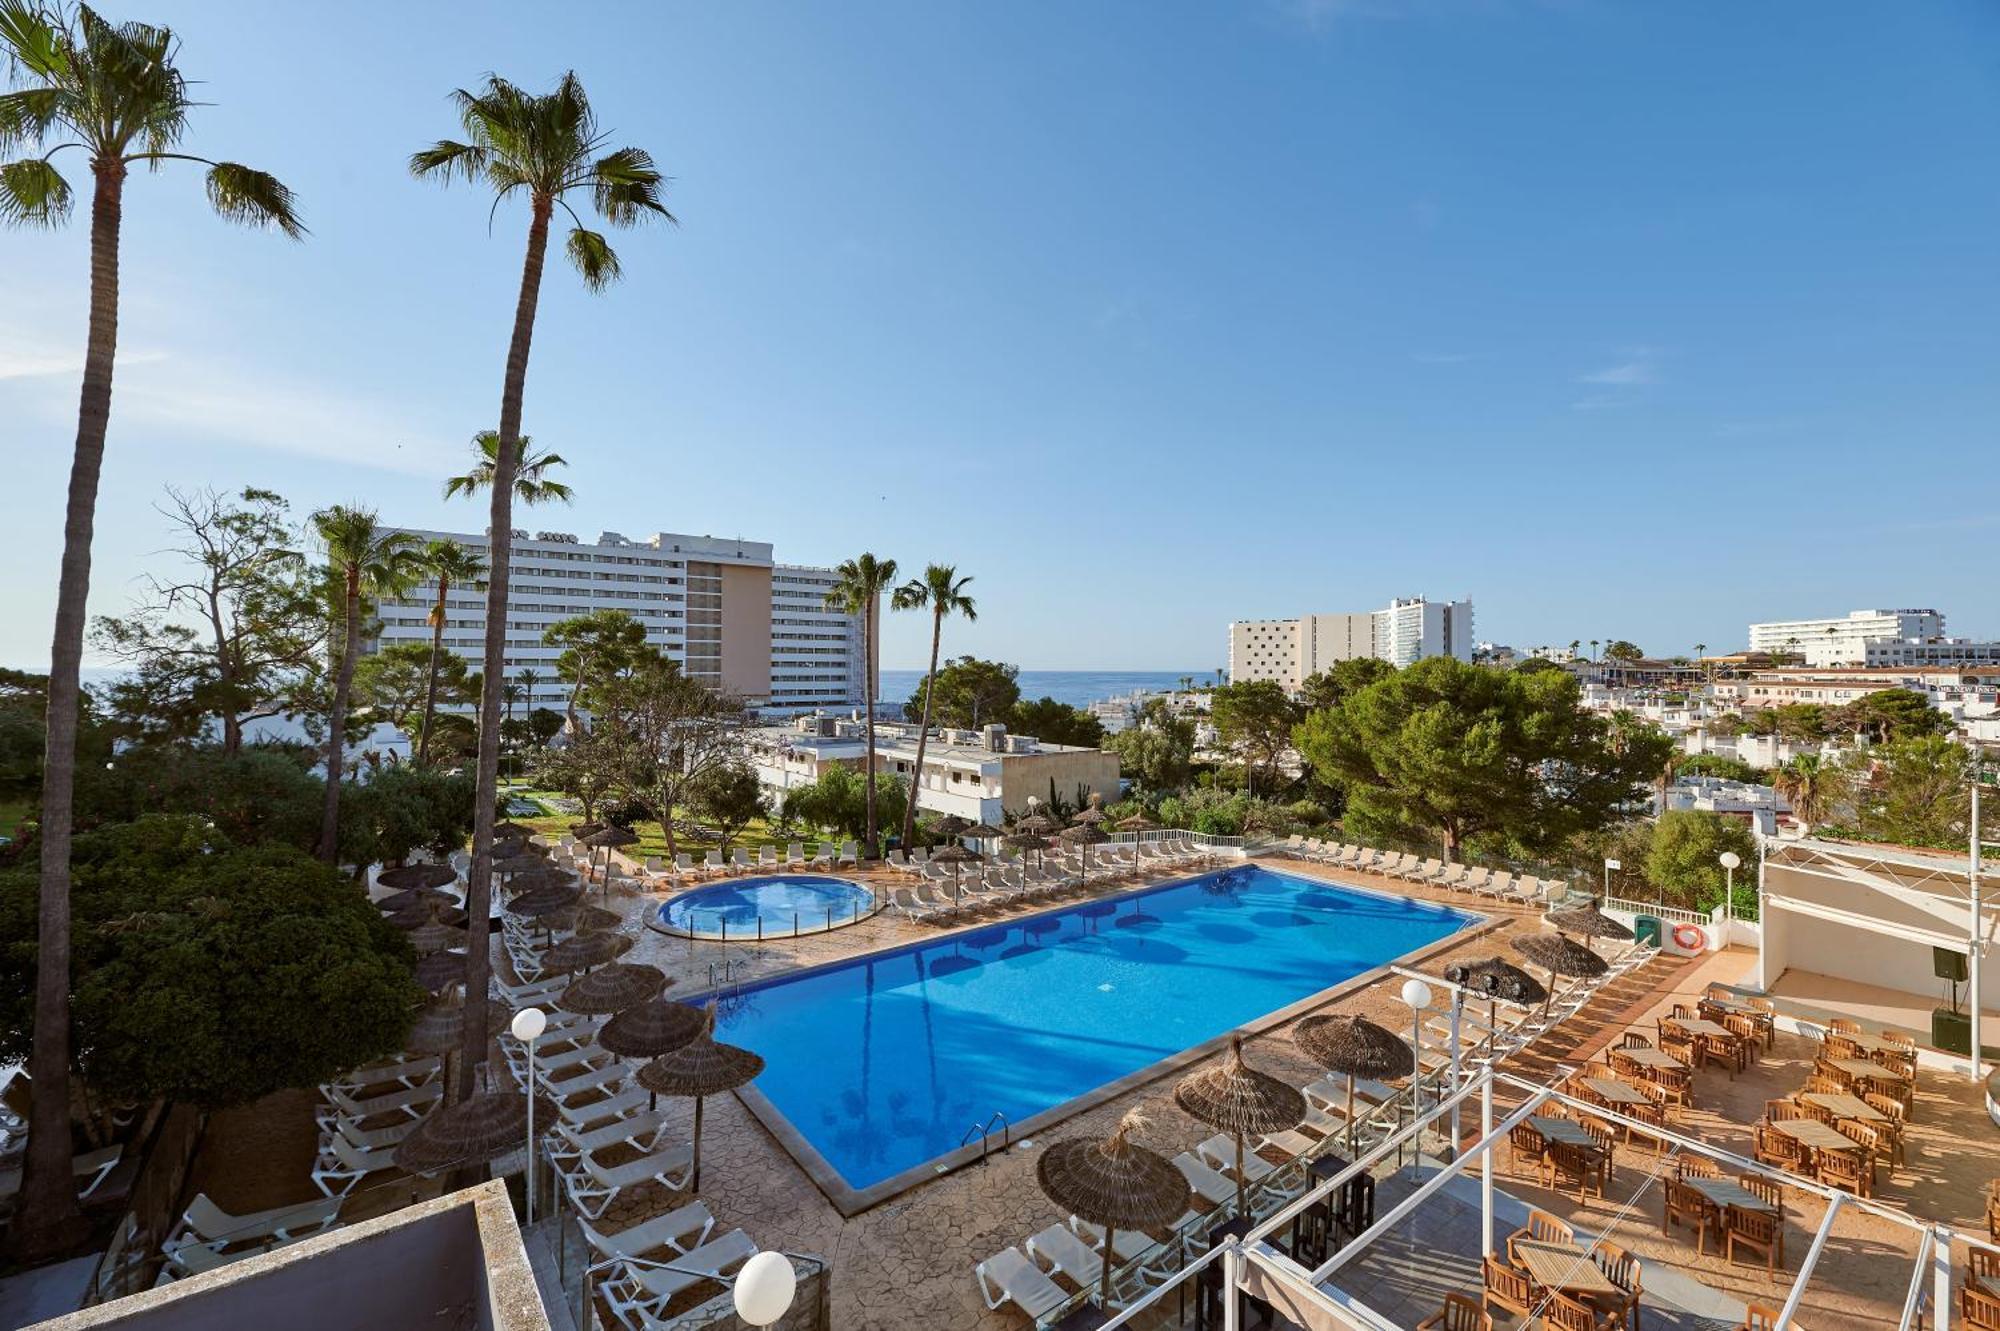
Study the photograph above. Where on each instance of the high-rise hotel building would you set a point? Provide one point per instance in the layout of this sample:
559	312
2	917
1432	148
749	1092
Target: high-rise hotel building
734	618
1291	651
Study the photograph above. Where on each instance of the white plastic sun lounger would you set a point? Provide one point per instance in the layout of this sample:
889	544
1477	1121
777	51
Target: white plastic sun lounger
344	1164
679	1230
823	856
411	1100
594	1187
767	858
597	1079
204	1224
1061	1253
368	1139
620	1104
642	1132
402	1071
795	855
1220	1151
1129	1245
910	908
90	1170
1009	1277
645	1286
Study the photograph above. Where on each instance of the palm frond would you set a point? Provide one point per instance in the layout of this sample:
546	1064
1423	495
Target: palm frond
33	43
33	193
254	198
447	159
593	258
625	187
28	114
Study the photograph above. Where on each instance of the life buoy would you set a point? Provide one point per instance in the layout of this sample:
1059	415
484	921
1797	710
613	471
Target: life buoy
1690	937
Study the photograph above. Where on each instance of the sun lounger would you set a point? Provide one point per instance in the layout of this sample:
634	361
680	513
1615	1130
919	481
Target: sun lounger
713	866
1220	1151
1207	1182
679	1230
593	1187
644	1286
849	854
411	1100
618	1104
401	1071
767	859
910	908
642	1132
204	1224
823	856
597	1079
1128	1246
90	1170
795	855
1061	1253
194	1260
1009	1277
344	1164
367	1139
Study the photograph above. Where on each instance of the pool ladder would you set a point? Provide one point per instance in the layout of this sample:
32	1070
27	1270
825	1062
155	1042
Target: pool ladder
985	1131
728	969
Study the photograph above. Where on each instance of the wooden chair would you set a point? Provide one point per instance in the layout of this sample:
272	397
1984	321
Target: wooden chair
1562	1313
1565	1164
1526	1144
1696	1166
1849	1170
1902	1040
1681	1047
1880	1149
1837	1046
1458	1314
1758	1231
1714	1049
1756	1317
1807	1109
1675	1085
1839	1078
1685	1206
1768	1190
1541	1228
1507	1289
1977	1308
1993	1210
1653	1116
1636	1040
1845	1026
1622	1269
1748	1032
1820	1084
1775	1148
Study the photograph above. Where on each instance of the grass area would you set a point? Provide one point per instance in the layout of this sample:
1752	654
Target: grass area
652	841
11	814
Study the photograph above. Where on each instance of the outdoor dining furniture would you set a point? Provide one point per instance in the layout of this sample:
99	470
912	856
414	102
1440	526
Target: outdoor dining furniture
1757	1229
1615	1093
1844	1105
1648	1057
1727	1192
1700	1026
1816	1136
1871	1044
1564	1266
1566	1130
1868	1071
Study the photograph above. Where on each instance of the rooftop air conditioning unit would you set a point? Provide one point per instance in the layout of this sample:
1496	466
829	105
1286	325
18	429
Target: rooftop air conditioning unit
823	726
996	738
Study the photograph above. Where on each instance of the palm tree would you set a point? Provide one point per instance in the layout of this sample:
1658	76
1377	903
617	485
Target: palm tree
532	483
862	582
942	591
450	564
546	147
366	562
1810	785
113	92
1593	649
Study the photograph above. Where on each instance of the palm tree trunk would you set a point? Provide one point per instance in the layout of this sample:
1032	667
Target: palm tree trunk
46	1217
923	733
431	684
479	892
869	846
336	721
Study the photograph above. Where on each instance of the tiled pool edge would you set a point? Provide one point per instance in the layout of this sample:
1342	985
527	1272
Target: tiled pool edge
850	1201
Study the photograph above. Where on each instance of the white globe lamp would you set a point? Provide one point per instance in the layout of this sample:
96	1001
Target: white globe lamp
528	1024
764	1289
1417	994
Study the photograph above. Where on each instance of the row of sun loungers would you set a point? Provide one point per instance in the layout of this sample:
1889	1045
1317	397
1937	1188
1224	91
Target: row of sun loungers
1496	884
942	895
765	860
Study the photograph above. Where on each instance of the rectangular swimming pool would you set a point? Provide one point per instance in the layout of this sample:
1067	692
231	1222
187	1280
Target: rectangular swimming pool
880	1063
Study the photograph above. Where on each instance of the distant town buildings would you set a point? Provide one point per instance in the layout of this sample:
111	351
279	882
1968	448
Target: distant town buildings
1844	641
734	618
1938	652
1290	651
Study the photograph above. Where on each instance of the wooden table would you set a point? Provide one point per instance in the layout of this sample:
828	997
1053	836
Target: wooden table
1844	1105
1736	1006
1563	1266
1873	1044
1565	1130
1615	1092
1728	1192
1648	1057
1811	1132
1701	1026
1862	1069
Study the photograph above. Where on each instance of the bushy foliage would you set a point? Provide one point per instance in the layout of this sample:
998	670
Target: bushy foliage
838	801
1056	723
208	972
1683	860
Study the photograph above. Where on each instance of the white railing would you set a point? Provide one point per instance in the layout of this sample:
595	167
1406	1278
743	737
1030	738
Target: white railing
1672	913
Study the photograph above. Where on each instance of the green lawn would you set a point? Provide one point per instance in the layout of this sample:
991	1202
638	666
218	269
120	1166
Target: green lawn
651	840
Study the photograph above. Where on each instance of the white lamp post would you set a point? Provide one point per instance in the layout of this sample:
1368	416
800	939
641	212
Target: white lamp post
1418	995
764	1289
1731	861
1609	865
527	1026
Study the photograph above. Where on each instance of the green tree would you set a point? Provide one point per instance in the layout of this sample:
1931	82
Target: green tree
1057	723
396	683
595	646
1683	862
1718	765
1535	665
533	483
547	149
942	592
660	733
205	971
967	693
1812	786
1158	751
368	563
543	725
401	809
584	768
1891	714
838	801
230	639
1917	794
447	564
1449	750
114	92
1255	719
1620	650
1327	687
729	797
864	580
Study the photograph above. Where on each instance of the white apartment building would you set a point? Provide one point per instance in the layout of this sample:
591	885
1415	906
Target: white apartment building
724	608
1290	651
1844	641
1941	652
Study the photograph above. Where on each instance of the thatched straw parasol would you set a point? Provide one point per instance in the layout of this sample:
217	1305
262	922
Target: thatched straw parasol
438	1028
415	896
436	937
536	879
1559	956
652	1028
1241	1100
524	862
582	830
950	825
698	1069
512	831
608	839
1116	1184
1138	822
1086	835
1587	921
955	855
544	901
582	951
983	832
1035	822
417	875
594	920
1497	979
470	1133
441	970
1091	816
1357	1047
613	988
1027	841
426	912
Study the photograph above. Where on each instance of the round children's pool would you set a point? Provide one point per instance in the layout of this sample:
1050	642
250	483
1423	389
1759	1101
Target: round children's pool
774	906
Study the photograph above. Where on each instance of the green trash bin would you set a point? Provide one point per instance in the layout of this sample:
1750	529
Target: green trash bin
1646	930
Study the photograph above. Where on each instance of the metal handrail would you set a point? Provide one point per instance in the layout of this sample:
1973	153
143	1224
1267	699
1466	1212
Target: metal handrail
985	1131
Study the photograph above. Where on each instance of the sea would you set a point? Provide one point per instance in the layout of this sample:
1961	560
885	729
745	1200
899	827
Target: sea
1078	688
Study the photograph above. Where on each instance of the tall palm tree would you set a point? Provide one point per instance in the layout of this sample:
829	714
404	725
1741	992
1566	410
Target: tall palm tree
451	565
942	592
545	147
367	563
863	580
1811	786
532	482
113	92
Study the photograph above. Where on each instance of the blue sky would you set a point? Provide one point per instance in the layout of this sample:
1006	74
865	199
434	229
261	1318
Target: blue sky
1633	320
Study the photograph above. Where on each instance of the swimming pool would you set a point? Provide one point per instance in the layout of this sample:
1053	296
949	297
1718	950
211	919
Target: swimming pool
876	1065
773	905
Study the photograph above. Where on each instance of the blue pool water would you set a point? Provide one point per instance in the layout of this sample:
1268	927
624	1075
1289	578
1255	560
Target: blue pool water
882	1062
807	901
